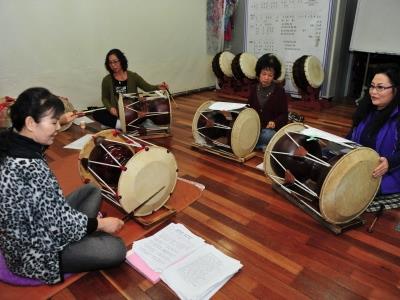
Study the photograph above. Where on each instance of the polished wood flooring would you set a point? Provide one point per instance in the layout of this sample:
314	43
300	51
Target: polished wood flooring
285	253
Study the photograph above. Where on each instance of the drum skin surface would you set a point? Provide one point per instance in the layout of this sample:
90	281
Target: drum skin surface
243	136
150	172
245	132
222	64
347	188
307	71
244	66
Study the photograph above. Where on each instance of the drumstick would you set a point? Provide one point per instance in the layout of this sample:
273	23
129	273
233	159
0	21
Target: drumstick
377	215
90	111
172	98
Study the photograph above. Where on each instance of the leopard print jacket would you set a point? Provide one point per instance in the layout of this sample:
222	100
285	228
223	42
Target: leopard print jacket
36	222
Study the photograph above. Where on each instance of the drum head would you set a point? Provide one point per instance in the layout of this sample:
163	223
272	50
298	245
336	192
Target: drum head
245	132
197	137
292	127
68	107
313	71
349	187
151	174
222	64
248	63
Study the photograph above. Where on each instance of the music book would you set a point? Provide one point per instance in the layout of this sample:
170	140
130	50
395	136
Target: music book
192	268
139	265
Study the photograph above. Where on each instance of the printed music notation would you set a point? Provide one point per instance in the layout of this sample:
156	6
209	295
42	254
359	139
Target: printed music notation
289	29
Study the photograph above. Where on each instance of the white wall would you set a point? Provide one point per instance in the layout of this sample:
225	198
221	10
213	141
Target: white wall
61	44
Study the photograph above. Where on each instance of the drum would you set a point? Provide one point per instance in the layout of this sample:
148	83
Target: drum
145	113
231	128
5	103
307	71
244	66
135	176
329	174
222	64
68	107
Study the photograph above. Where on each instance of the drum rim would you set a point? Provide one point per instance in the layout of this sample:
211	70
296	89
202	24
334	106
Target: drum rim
236	149
68	107
330	178
310	80
196	117
232	56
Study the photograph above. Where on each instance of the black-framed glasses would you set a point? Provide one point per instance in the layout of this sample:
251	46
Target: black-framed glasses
113	62
379	88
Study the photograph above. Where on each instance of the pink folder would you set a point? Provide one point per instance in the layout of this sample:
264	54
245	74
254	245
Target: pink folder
139	265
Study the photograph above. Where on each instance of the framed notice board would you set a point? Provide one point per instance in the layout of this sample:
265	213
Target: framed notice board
289	29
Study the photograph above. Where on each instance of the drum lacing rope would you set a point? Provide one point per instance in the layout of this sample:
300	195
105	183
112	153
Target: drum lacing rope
133	138
123	168
288	190
216	125
133	143
296	182
147	128
103	182
313	158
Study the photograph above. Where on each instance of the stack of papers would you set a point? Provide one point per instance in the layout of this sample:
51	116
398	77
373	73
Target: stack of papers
192	268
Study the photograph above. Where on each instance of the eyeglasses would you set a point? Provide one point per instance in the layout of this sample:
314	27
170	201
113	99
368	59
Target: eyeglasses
379	88
113	62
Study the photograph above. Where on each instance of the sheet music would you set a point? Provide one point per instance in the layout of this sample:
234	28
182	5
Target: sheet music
314	132
226	106
201	274
167	246
79	143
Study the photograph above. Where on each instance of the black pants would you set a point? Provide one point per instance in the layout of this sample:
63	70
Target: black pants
104	117
98	250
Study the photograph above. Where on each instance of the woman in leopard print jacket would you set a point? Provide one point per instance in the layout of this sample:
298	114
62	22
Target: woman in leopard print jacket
44	235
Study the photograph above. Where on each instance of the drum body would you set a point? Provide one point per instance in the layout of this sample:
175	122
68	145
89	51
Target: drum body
149	111
68	107
244	66
222	64
233	131
5	120
307	72
136	177
331	174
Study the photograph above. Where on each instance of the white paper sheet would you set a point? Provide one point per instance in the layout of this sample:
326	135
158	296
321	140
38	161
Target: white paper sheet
167	246
79	143
202	274
314	132
226	106
85	119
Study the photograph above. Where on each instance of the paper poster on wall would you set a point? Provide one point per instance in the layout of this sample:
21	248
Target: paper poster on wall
289	29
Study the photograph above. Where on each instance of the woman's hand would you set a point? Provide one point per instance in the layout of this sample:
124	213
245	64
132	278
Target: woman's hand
109	224
163	86
68	117
382	168
271	124
113	111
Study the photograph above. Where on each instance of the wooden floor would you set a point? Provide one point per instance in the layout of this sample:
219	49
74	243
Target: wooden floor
285	253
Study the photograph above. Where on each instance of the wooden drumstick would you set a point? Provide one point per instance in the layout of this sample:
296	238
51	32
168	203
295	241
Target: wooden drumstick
172	98
84	112
378	213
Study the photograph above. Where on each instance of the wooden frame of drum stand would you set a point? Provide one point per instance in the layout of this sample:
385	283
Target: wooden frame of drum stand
335	228
223	154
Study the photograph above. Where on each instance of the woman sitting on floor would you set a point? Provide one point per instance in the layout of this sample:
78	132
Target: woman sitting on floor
44	235
376	124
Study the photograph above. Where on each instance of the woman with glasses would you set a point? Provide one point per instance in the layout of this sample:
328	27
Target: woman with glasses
376	124
119	81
